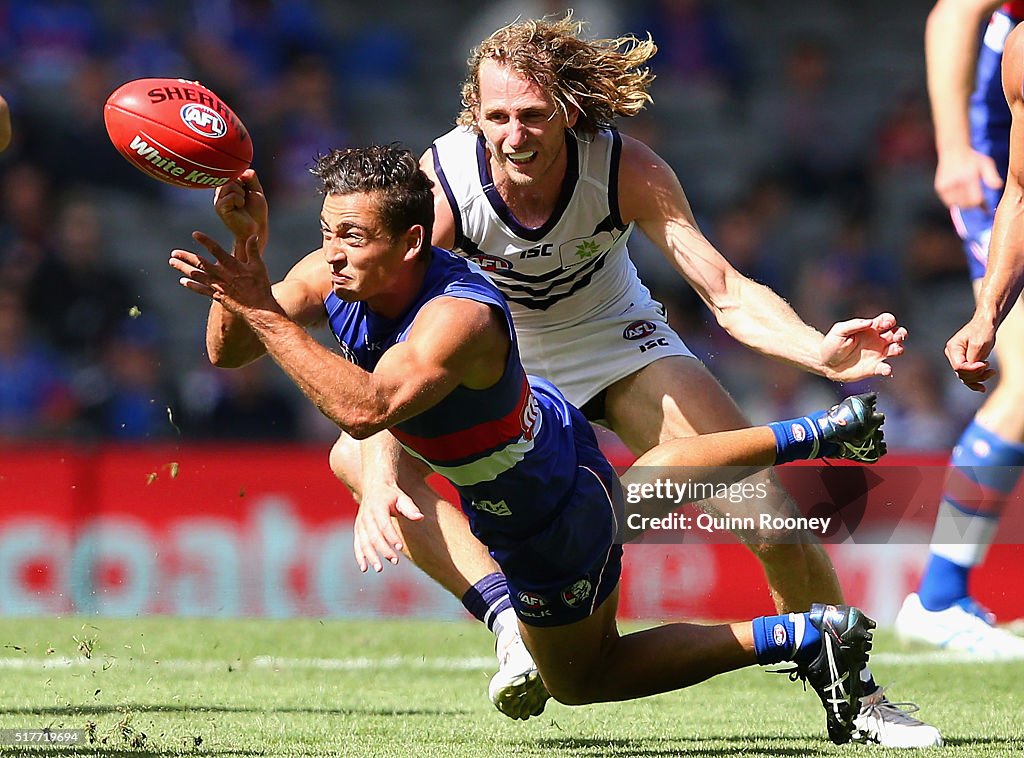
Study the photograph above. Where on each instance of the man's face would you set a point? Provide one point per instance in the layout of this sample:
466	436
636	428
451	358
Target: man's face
524	129
362	256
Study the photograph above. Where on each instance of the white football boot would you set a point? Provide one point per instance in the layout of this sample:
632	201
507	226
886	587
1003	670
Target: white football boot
889	724
956	629
516	690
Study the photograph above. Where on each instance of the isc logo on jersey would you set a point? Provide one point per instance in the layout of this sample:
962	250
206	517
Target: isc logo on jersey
204	120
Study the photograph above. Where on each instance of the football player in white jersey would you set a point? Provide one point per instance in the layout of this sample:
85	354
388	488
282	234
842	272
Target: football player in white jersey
538	187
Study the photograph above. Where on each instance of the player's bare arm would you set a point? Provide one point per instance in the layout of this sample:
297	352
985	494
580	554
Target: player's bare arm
242	207
968	349
650	194
447	346
951	53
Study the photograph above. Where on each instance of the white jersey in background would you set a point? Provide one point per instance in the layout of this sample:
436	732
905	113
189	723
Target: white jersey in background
583	317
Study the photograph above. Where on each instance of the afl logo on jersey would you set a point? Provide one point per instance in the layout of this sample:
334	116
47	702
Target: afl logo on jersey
490	262
638	330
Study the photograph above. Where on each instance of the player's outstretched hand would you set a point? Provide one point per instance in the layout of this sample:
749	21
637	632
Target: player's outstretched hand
242	206
967	352
860	348
374	534
239	282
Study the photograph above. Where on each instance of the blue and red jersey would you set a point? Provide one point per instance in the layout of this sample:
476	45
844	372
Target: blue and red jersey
510	450
989	114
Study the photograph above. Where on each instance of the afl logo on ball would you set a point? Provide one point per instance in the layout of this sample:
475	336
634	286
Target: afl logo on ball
204	120
638	330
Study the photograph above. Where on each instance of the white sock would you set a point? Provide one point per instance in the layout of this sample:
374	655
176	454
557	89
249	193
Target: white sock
505	622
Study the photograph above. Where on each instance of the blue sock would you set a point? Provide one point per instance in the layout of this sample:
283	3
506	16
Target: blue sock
983	471
789	637
487	598
796	439
943	583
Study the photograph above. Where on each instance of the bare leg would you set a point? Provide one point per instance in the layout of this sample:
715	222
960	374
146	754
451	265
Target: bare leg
678	397
440	544
589	662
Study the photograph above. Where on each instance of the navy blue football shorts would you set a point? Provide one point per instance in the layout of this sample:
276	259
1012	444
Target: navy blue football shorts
561	574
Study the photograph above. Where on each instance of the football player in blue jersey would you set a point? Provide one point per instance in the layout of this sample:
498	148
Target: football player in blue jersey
436	366
537	185
966	45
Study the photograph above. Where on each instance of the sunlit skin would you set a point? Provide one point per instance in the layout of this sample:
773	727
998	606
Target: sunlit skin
525	134
362	255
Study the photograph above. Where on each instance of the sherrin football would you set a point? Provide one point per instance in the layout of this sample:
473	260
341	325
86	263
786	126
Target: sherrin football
177	131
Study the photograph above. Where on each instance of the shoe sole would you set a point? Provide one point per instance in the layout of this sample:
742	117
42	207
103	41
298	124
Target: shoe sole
521	697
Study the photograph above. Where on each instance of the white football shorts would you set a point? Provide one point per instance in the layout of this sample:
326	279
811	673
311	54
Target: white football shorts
585	358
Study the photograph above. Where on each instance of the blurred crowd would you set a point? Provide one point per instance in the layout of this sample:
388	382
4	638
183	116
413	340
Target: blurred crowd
808	167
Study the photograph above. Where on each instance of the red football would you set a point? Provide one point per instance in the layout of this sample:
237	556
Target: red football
177	131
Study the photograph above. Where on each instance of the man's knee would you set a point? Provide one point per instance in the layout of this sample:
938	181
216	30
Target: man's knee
571	689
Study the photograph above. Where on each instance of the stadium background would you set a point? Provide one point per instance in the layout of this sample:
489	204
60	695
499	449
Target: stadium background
800	131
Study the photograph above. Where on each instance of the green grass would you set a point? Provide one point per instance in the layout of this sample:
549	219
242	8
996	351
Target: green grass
410	688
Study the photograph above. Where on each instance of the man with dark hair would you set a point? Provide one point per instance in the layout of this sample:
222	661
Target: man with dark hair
538	187
429	356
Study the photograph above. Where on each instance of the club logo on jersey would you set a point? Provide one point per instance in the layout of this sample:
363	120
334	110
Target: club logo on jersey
204	120
799	433
532	599
638	330
577	593
490	262
779	635
587	249
499	508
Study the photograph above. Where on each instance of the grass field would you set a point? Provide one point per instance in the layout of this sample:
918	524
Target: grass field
408	688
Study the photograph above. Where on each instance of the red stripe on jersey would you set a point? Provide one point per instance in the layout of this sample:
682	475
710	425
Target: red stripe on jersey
481	438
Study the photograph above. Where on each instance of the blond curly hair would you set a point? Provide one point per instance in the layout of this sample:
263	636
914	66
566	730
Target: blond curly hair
601	78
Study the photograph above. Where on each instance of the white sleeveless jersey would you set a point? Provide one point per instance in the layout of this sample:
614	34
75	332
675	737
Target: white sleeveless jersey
573	268
583	317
